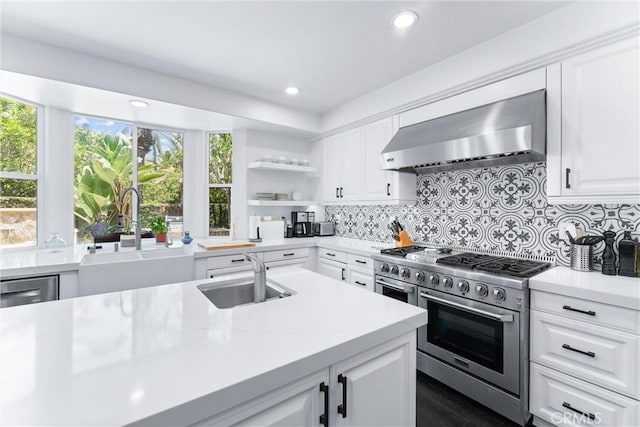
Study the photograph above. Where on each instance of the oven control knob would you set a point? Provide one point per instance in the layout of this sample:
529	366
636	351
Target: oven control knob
463	286
394	269
405	273
384	268
498	294
434	279
420	276
481	290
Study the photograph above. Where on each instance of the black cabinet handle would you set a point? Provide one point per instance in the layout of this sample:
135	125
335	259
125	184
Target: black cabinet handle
342	408
361	262
567	171
337	192
289	254
568	307
586	353
360	283
343	274
341	192
568	406
238	260
324	417
388	189
330	254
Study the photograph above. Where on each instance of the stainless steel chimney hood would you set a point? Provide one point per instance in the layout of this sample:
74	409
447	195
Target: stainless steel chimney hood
505	132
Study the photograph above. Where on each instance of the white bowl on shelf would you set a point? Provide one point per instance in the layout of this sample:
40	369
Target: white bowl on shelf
297	196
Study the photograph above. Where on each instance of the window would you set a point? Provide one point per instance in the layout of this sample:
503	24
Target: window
18	174
160	174
104	167
220	149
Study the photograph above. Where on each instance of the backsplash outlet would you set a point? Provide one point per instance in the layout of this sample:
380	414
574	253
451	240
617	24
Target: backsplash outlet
499	209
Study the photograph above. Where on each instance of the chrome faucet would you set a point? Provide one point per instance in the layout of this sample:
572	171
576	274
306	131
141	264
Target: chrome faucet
259	278
137	220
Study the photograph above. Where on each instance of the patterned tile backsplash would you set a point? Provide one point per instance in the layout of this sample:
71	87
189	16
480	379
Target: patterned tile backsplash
498	209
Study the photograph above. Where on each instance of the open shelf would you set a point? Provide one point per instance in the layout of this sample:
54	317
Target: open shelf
282	202
282	167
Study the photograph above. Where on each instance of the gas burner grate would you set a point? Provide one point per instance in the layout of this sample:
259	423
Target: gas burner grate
402	252
496	265
467	259
514	267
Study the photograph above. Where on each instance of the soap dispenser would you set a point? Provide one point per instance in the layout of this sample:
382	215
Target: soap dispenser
627	252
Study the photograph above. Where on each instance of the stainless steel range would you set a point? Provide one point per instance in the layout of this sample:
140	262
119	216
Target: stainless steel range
477	337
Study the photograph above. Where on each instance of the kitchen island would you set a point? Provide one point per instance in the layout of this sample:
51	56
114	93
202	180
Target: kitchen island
166	355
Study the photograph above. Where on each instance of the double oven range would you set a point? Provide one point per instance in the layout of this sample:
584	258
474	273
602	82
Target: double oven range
477	337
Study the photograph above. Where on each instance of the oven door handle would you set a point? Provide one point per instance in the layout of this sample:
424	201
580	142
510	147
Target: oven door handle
405	289
504	318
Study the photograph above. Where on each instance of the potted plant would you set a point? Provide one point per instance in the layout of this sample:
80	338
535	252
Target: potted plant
159	227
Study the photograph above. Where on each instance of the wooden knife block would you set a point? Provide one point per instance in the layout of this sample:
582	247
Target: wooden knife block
405	239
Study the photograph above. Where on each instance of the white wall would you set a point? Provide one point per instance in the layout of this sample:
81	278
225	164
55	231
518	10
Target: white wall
36	59
55	187
195	185
530	46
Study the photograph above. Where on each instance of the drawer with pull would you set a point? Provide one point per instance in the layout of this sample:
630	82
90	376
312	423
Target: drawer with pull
361	280
359	261
331	254
286	254
587	311
599	355
225	261
563	400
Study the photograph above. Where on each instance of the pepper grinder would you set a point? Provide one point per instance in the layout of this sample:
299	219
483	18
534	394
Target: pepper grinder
609	256
627	252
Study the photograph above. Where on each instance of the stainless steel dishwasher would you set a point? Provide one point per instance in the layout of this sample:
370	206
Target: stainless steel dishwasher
28	290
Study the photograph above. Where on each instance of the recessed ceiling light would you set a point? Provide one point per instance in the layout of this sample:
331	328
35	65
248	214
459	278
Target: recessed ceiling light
404	19
292	90
138	103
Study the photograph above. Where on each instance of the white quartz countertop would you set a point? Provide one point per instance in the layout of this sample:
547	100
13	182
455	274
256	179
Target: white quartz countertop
615	290
43	261
166	352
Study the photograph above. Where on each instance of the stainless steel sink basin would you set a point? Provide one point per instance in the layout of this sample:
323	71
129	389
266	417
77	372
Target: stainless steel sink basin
239	293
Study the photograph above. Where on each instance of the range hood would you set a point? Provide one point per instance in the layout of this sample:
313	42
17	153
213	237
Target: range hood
505	132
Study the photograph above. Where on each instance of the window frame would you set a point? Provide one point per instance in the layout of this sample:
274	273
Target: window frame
37	177
211	185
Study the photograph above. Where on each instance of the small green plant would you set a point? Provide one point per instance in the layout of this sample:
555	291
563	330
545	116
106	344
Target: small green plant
158	225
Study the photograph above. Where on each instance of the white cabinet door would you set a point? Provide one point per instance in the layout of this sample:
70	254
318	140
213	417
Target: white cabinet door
332	168
377	182
380	386
350	153
333	269
600	127
298	404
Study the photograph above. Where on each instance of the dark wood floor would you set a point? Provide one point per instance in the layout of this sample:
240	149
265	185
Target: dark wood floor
441	406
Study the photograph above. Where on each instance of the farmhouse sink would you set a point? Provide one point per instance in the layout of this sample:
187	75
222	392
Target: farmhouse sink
235	294
119	271
110	258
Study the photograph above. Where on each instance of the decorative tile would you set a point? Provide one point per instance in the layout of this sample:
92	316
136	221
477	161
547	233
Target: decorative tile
501	208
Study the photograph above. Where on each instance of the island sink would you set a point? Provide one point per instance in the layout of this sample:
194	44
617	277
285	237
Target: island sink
239	293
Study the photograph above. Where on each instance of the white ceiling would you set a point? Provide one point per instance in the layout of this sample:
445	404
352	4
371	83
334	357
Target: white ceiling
334	51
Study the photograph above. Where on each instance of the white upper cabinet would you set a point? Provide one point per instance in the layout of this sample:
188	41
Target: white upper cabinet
342	170
382	184
352	171
593	126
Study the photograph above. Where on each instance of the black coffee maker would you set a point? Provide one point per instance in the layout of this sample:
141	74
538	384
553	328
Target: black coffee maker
303	223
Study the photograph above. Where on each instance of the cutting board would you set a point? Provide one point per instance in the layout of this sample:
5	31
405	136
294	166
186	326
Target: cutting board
232	244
